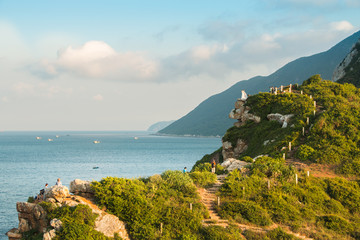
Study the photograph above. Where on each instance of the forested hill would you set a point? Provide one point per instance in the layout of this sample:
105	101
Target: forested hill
210	118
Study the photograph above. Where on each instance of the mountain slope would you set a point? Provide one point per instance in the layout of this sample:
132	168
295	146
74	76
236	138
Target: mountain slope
210	117
349	69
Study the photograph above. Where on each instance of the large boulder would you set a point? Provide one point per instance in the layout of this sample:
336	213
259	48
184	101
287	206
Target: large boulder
31	217
231	164
57	192
233	152
81	187
241	113
282	119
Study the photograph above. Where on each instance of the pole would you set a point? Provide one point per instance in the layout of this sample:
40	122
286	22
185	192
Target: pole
191	206
218	201
289	146
303	131
161	228
296	178
307	121
269	184
284	157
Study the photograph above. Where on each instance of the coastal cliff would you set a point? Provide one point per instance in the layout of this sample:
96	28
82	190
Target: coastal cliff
36	219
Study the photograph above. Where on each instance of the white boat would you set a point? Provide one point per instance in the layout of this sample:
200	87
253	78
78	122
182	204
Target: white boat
136	138
38	138
96	141
50	140
57	136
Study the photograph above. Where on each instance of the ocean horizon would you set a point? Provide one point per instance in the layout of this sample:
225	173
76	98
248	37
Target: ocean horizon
29	159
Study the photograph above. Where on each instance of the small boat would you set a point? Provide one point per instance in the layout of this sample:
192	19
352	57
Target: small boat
38	138
136	138
50	140
95	167
96	141
57	136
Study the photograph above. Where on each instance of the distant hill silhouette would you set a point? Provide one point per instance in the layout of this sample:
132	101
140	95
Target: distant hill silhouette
210	118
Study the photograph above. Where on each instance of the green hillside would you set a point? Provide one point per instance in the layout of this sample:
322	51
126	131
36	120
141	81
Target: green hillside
272	198
210	118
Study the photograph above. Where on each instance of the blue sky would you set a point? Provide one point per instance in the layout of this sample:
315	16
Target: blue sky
123	65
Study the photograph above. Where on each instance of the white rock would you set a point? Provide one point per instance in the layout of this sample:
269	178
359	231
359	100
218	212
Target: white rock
56	224
80	186
57	192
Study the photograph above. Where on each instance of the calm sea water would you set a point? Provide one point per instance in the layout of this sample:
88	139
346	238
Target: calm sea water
28	163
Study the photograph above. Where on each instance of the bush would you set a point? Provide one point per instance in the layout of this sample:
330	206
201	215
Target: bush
336	223
278	233
78	222
247	210
305	153
31	200
247	159
145	203
203	179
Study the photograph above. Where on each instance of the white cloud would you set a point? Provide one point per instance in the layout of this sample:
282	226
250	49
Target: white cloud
96	59
98	97
41	89
342	26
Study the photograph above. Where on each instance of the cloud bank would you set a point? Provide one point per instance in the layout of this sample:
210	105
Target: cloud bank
227	51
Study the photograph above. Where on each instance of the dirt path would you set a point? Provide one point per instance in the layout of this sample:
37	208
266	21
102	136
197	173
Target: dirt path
209	199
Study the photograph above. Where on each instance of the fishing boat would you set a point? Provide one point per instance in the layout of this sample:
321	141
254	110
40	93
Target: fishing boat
96	141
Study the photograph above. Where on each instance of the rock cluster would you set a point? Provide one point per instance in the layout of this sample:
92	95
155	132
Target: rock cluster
241	113
231	164
282	119
56	194
81	188
33	217
228	151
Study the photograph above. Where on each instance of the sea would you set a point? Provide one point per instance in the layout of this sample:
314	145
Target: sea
28	160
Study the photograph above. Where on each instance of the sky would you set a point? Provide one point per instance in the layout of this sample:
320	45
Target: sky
124	65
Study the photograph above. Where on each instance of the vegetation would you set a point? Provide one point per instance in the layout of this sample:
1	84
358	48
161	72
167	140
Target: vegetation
145	204
78	222
329	205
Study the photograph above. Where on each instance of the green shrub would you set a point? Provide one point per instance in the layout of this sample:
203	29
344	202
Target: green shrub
202	167
278	233
247	210
250	235
203	179
146	203
305	152
336	223
78	222
31	200
247	159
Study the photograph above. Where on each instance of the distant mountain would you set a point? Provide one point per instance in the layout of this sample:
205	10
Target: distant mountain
159	125
349	69
210	118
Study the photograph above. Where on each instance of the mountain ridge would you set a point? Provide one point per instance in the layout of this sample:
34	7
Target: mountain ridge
209	118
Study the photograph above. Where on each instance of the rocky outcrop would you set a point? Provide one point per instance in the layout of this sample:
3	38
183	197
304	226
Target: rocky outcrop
339	71
57	192
33	217
81	188
282	119
241	113
228	151
106	223
231	164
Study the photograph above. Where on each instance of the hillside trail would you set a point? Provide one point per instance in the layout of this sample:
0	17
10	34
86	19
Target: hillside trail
210	200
